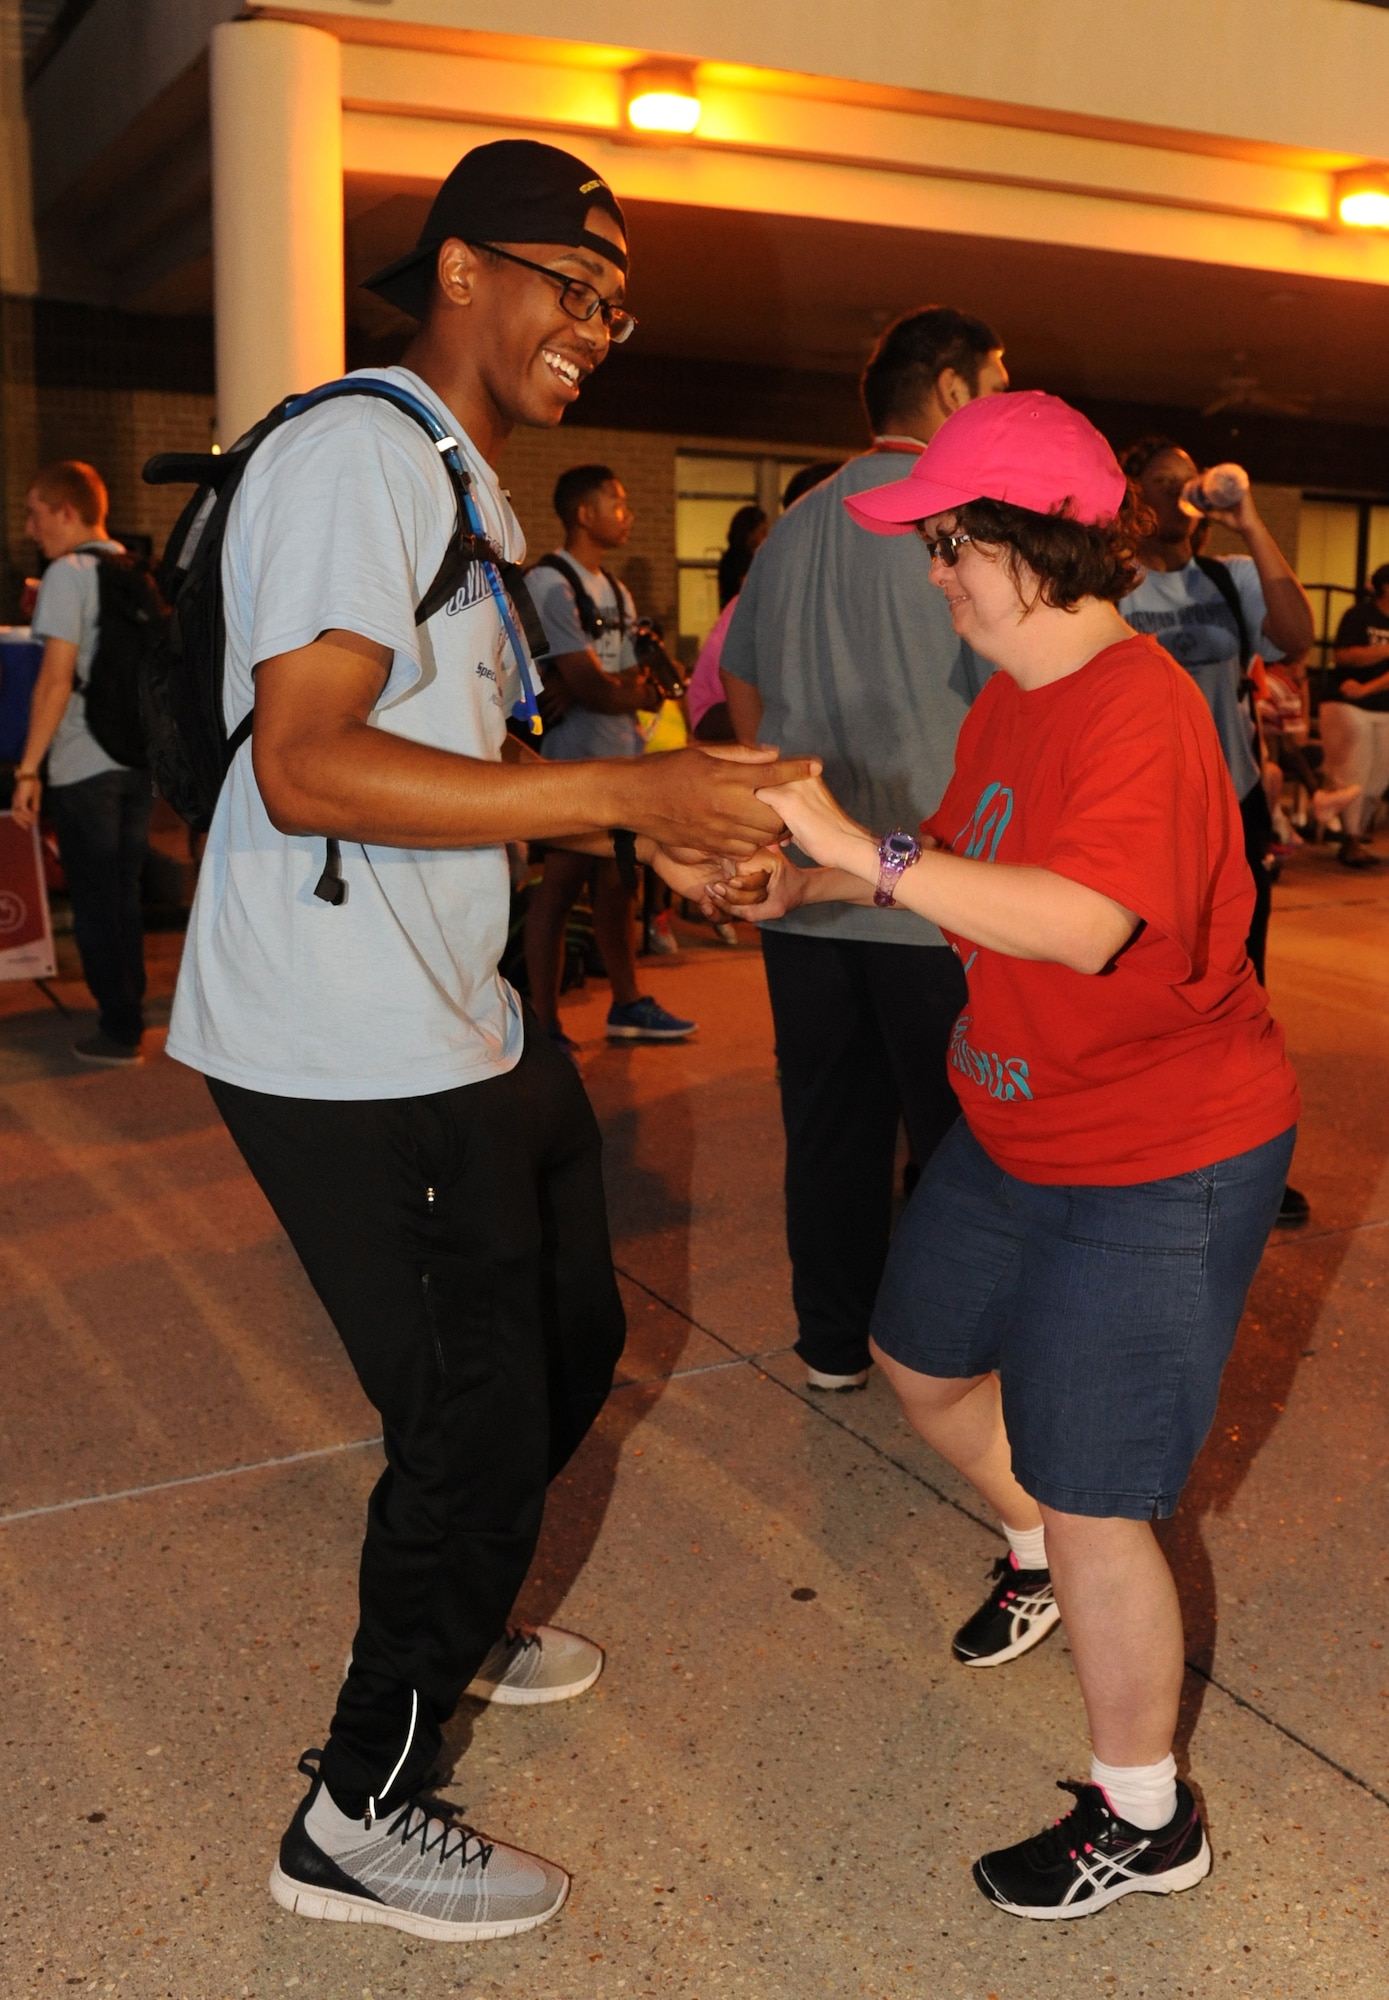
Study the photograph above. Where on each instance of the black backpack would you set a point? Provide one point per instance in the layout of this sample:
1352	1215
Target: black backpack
131	617
190	748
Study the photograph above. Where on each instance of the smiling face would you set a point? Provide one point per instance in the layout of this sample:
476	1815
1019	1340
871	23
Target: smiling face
985	603
529	356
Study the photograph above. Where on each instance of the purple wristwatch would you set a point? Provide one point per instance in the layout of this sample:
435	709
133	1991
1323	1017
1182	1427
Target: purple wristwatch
896	853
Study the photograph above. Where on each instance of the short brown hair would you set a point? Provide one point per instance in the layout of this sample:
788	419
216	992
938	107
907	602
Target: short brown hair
1071	559
68	482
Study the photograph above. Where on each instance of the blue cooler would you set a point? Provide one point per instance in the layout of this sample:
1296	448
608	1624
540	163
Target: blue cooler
20	660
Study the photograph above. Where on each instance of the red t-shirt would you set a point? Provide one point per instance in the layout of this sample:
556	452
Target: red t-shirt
1169	1059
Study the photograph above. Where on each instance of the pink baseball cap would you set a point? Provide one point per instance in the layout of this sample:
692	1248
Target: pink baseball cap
1024	447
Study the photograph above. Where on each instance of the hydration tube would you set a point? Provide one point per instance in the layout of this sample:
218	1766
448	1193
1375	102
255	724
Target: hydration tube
526	709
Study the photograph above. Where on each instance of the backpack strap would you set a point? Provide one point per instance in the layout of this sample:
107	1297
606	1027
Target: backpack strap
594	621
590	617
1217	573
470	545
619	599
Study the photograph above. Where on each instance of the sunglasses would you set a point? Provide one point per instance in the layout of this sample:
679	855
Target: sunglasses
580	300
943	548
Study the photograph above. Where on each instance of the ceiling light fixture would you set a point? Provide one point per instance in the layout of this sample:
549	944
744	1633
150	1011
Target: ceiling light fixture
661	100
1362	198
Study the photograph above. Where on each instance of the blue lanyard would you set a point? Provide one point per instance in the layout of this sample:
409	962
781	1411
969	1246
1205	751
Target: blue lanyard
527	708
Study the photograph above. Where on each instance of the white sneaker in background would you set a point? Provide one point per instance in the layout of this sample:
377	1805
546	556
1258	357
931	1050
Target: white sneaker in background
816	1378
527	1667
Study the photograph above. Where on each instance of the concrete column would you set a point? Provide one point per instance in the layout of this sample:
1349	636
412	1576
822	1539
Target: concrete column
277	217
19	264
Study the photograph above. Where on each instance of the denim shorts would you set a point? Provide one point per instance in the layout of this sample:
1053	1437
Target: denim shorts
1108	1313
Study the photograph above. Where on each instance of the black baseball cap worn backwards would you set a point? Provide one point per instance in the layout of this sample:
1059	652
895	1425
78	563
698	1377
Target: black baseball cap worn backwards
513	191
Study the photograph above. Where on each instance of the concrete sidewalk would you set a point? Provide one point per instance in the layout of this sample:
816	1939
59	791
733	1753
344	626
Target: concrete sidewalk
778	1785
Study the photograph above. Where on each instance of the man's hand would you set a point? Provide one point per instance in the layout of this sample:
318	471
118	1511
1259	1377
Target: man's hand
706	798
696	880
765	887
1351	691
24	805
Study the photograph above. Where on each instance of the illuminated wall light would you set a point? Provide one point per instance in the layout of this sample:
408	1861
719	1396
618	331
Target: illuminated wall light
662	101
1362	199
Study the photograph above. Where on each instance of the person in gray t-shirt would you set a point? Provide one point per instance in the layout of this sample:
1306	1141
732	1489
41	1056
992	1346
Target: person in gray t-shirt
100	809
841	646
593	678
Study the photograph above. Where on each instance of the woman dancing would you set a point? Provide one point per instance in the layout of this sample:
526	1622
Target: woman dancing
1065	1286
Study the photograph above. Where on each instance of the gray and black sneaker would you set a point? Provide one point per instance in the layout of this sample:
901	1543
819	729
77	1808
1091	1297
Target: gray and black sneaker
417	1868
1092	1857
1016	1615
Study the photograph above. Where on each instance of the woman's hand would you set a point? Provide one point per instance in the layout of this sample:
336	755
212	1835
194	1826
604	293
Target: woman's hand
1348	691
821	828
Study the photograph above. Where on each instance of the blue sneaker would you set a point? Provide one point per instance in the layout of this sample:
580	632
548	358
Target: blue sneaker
646	1020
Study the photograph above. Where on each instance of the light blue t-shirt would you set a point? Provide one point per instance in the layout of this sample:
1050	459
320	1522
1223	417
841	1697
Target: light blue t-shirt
584	732
342	521
850	645
68	607
1186	614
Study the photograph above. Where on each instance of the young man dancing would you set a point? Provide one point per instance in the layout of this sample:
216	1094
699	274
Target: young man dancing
433	1160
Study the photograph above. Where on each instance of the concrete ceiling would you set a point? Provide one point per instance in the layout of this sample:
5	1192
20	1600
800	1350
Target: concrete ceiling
799	293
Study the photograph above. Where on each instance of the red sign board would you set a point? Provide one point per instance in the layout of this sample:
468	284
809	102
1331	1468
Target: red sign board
26	936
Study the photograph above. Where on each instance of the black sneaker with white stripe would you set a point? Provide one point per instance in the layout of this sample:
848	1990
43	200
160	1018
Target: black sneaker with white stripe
1091	1858
1016	1615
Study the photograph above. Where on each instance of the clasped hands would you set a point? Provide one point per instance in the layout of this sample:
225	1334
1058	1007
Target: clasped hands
767	884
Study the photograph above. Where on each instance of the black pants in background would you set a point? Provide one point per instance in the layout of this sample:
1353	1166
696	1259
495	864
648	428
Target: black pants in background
103	824
862	1034
460	1245
1258	837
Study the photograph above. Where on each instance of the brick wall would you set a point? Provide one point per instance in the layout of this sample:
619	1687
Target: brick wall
116	430
645	463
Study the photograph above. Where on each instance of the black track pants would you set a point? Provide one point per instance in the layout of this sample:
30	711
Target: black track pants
460	1245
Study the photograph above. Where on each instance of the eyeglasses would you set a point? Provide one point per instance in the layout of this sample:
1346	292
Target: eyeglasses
943	548
580	300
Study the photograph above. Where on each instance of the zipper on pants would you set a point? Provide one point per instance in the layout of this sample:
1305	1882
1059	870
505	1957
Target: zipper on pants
429	1310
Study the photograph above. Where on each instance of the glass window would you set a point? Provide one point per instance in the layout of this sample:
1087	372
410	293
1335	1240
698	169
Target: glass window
709	490
701	526
1328	542
707	472
1378	551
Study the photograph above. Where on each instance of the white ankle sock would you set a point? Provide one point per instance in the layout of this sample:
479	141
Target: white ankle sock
1143	1794
1029	1545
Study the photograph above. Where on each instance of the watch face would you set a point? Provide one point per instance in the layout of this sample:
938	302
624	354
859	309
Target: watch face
899	847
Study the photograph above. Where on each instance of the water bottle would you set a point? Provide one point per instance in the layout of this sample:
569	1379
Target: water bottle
1216	491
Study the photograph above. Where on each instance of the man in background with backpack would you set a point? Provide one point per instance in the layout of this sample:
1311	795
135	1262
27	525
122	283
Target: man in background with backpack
588	617
432	1158
1212	614
100	808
